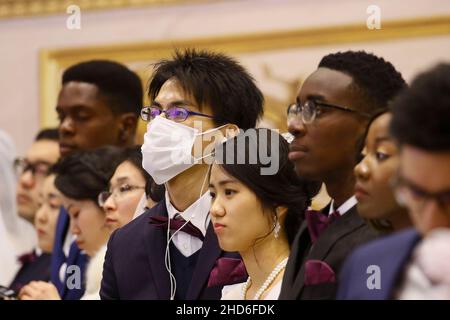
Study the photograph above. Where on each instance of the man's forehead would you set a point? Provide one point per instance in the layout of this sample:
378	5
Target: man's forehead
172	90
326	83
78	93
425	169
43	150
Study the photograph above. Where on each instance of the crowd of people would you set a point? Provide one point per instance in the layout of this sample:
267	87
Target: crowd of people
213	206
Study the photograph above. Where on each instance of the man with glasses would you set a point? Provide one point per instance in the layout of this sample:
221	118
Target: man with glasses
32	170
410	262
328	123
168	252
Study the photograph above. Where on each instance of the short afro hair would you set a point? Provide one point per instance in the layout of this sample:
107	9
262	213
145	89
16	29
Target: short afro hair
213	79
375	79
121	87
48	134
82	175
421	114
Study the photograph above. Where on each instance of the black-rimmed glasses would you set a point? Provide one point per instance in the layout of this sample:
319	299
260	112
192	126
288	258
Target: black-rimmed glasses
412	196
309	110
117	193
38	168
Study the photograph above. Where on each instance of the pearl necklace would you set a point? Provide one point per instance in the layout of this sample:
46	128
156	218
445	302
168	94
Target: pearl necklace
266	283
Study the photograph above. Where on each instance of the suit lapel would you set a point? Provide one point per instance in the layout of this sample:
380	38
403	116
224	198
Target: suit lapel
298	250
155	245
326	241
208	255
299	279
338	229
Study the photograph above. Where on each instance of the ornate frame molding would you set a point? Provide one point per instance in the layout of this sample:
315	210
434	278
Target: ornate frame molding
53	62
22	8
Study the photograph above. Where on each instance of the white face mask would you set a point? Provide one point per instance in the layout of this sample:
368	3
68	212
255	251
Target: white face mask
167	148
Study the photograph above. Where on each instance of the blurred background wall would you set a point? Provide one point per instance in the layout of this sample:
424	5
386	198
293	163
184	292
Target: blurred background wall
35	45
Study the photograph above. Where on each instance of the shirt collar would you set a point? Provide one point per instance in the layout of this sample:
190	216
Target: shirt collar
38	251
197	213
346	206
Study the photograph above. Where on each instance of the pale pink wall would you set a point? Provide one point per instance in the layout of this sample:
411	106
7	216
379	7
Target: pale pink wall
21	39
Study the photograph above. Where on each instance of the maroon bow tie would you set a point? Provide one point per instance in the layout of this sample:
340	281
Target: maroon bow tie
176	224
227	271
27	258
317	222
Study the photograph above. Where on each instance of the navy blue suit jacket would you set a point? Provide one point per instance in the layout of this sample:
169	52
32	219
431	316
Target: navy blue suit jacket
134	265
38	270
391	254
76	257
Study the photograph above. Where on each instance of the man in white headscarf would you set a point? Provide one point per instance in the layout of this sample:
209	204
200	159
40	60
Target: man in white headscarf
16	235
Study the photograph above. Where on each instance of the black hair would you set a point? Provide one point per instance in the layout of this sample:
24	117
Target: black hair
421	114
121	87
48	134
82	175
152	190
213	79
284	188
375	80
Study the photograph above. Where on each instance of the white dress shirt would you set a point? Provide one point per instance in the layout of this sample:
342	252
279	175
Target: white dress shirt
346	206
198	215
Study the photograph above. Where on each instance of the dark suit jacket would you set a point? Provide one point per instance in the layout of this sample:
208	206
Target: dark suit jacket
391	254
134	265
38	270
75	258
332	247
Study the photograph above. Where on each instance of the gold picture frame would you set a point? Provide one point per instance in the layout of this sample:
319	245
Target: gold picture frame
54	61
26	8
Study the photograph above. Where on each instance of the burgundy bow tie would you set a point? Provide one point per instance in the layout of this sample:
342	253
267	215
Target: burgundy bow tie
227	271
317	222
176	224
27	258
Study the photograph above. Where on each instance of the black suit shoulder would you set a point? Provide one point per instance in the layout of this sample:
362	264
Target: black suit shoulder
127	272
38	270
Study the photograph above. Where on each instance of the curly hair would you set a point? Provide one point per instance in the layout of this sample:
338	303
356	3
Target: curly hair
421	114
48	134
375	80
121	87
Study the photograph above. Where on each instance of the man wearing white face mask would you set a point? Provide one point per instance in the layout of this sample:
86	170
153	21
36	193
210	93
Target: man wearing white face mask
198	99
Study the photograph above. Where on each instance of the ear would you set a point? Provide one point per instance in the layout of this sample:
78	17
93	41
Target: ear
230	130
281	212
127	127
